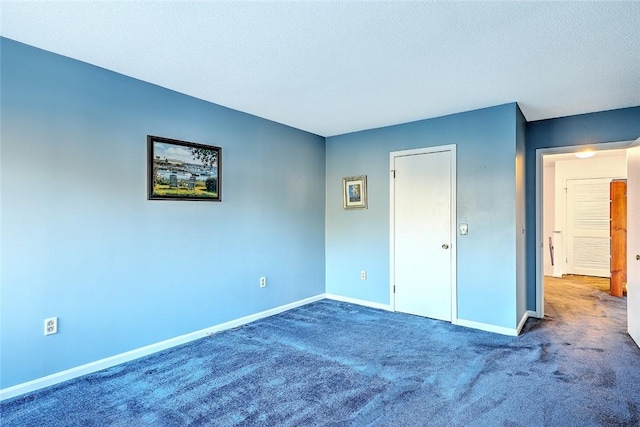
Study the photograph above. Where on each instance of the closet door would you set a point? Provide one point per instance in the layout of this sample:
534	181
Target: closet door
588	239
422	246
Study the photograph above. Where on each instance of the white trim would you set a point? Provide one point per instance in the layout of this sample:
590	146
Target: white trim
525	316
539	231
392	233
362	302
487	327
453	221
108	362
454	234
539	313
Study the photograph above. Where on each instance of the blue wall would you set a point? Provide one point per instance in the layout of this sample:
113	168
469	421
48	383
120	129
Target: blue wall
486	190
583	129
80	240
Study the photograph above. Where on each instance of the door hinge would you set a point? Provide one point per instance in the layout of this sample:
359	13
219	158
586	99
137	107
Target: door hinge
394	174
394	289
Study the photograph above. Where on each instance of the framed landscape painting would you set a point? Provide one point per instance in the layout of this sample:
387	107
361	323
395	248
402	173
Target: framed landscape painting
354	192
180	170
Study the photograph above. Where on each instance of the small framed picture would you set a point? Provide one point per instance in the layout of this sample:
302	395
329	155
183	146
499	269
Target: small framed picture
180	170
354	189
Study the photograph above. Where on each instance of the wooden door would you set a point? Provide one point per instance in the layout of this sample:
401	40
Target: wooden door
618	190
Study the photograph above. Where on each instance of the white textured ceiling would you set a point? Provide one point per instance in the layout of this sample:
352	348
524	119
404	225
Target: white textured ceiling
342	66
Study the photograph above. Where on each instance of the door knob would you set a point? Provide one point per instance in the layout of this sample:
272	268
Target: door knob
445	246
637	257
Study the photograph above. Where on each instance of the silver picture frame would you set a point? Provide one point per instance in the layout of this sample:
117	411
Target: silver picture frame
354	192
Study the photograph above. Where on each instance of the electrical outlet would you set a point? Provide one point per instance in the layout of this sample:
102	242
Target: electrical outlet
263	282
363	275
51	326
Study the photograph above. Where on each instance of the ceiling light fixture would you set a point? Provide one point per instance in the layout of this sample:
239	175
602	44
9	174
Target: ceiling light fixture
585	154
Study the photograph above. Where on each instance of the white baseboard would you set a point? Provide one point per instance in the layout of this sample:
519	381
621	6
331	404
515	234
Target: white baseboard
98	365
356	301
461	322
487	327
525	316
498	329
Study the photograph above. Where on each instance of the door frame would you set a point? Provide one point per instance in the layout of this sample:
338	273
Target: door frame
453	222
540	248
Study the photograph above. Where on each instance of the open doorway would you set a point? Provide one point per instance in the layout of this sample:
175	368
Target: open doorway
572	216
576	211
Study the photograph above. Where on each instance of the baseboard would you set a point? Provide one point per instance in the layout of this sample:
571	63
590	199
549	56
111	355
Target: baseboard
466	323
497	329
356	301
525	316
98	365
487	327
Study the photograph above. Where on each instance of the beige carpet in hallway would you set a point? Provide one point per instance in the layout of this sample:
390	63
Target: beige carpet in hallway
581	298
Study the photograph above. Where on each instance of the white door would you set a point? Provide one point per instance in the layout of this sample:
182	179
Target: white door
422	247
633	242
588	235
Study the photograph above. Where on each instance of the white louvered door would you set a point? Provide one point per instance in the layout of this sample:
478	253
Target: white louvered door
588	241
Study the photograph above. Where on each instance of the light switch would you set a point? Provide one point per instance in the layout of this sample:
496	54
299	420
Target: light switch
464	229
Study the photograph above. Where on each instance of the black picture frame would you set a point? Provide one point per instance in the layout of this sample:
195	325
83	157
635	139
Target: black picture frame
181	170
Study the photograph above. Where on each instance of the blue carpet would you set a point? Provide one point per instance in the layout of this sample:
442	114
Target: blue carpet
332	363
